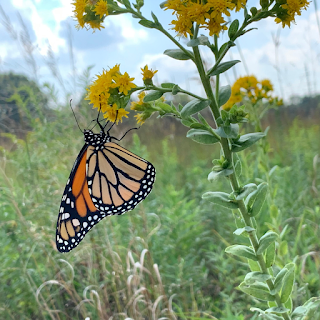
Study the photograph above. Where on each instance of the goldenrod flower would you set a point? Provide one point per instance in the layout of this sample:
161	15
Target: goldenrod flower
109	92
101	8
207	14
289	9
90	13
250	88
215	25
267	85
115	114
138	105
141	118
123	83
239	4
144	109
147	74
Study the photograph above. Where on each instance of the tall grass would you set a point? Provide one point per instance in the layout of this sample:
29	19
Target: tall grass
166	258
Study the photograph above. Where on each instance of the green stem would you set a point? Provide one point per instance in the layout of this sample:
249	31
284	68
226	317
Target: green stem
233	178
218	76
180	91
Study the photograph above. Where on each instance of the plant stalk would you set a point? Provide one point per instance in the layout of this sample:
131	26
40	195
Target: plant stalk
233	178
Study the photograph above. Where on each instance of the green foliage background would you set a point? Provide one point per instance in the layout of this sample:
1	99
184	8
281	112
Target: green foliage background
111	274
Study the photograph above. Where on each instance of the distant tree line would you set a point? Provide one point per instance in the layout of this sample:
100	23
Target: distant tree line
22	101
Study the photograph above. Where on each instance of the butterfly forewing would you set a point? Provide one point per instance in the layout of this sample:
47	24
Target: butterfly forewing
76	207
117	179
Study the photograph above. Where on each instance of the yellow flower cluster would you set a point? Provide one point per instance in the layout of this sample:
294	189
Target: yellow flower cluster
289	9
90	13
249	87
110	92
206	13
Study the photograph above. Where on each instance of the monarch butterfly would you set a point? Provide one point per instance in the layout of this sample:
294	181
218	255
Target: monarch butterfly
106	179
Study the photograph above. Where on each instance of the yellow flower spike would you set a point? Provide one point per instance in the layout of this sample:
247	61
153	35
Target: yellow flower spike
289	9
137	105
266	84
239	4
140	118
123	83
101	8
95	25
113	114
219	7
147	74
250	88
113	71
79	7
196	12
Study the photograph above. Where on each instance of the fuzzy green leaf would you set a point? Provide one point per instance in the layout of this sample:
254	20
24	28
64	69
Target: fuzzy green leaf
178	54
222	67
168	85
240	231
126	3
266	316
252	277
154	17
213	175
247	189
259	199
187	122
193	43
256	292
224	95
242	251
220	198
270	255
152	96
162	4
283	248
277	310
230	131
198	125
246	141
203	120
254	265
193	107
202	136
287	287
147	23
279	280
233	28
299	312
266	240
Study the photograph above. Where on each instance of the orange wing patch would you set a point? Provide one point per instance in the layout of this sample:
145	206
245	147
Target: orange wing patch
76	205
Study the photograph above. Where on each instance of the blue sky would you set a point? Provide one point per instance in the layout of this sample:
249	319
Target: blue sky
124	41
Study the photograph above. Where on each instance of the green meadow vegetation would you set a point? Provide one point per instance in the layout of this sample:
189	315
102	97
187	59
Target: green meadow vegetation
166	259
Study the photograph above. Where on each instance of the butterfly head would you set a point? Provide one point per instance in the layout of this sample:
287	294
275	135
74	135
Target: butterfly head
95	139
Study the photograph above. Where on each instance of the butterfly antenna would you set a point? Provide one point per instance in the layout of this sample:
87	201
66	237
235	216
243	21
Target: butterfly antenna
114	122
94	120
75	116
125	134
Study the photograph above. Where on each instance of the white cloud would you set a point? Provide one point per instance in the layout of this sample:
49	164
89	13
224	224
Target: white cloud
40	27
131	34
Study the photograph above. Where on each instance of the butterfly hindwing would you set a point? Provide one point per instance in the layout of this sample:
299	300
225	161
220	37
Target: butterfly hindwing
77	209
117	178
